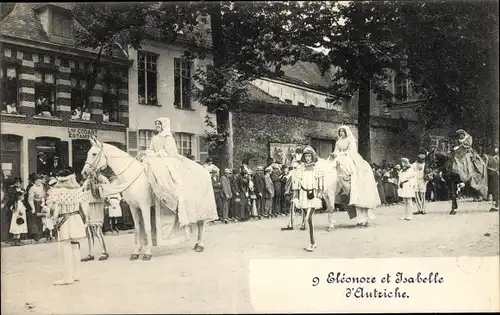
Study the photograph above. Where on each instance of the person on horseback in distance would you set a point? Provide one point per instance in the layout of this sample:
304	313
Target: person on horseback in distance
171	176
468	164
355	176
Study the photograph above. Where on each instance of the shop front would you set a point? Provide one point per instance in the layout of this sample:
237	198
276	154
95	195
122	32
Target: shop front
30	149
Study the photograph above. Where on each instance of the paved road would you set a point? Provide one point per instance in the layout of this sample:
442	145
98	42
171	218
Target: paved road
179	280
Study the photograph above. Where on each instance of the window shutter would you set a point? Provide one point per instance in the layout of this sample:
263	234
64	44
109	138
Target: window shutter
132	142
64	154
32	156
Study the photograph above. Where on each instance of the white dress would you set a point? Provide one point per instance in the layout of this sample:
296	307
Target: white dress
114	209
408	189
20	211
68	205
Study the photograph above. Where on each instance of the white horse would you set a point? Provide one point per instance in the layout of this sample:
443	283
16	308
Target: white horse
137	191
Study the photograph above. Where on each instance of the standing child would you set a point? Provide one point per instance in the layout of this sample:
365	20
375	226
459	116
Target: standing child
407	177
115	211
48	221
18	223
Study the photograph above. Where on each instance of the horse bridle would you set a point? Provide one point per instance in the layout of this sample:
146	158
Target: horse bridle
95	162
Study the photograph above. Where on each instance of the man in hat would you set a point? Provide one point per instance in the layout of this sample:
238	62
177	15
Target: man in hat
259	186
41	166
421	181
209	166
55	167
268	192
234	207
227	194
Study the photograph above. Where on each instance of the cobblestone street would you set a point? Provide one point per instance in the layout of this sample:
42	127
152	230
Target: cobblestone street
178	280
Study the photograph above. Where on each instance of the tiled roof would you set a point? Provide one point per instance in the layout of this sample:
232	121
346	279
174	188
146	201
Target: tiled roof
256	94
6	8
307	73
64	5
23	22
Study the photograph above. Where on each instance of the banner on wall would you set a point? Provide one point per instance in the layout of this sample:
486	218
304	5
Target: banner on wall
283	153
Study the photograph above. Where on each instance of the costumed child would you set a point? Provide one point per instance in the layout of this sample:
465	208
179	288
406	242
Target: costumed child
70	208
308	189
407	183
114	211
47	220
96	215
18	223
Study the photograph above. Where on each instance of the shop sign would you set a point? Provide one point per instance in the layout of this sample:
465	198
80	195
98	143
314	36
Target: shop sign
81	133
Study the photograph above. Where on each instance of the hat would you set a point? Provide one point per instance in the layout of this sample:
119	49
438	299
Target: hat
65	174
269	169
52	181
40	153
259	168
275	166
404	160
56	157
227	171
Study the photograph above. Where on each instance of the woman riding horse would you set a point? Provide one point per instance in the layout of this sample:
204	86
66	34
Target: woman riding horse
355	175
168	172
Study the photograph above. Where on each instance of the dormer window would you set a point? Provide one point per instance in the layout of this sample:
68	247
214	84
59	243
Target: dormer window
61	24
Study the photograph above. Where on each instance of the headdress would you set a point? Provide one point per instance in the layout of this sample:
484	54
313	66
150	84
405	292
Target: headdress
165	125
269	169
407	161
309	150
65	174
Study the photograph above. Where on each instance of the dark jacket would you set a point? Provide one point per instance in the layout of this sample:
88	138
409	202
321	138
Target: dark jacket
25	201
226	186
54	169
259	183
269	191
217	186
243	185
235	190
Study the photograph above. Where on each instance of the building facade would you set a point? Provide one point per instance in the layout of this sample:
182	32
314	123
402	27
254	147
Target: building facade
44	110
160	84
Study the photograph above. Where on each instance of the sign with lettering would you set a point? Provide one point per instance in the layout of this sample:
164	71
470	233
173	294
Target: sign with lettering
81	133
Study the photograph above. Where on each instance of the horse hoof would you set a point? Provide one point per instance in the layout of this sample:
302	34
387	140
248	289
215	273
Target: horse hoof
494	210
302	228
147	257
453	212
199	249
134	256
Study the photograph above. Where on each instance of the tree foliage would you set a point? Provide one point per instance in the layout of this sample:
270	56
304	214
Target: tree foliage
451	54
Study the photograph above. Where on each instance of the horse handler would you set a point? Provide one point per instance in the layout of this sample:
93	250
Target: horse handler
69	203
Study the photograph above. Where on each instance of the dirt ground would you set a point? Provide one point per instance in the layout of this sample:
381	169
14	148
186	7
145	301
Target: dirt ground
179	280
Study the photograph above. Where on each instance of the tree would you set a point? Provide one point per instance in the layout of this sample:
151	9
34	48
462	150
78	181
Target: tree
451	54
359	38
249	40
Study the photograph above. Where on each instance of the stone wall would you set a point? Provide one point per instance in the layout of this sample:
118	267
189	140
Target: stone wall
256	125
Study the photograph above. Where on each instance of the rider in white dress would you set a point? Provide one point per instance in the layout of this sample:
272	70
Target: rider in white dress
355	176
172	175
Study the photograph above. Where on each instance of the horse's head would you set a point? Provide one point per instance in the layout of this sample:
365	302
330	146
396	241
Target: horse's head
96	159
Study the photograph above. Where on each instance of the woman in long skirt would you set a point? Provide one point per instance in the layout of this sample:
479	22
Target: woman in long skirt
18	223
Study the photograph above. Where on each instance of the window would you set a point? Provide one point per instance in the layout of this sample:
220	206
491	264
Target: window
9	86
401	88
184	142
111	105
78	99
323	147
301	104
145	137
289	102
182	83
45	94
203	148
147	66
61	25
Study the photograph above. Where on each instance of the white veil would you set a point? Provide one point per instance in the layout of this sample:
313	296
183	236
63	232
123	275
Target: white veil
353	145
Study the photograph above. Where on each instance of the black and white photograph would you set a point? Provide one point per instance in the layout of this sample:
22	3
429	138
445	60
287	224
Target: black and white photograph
240	157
